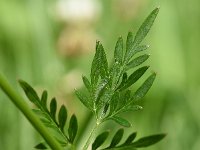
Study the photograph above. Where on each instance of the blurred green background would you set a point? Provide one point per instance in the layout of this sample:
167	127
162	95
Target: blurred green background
50	44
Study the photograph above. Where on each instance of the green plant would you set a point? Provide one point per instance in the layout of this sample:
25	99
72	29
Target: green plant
108	96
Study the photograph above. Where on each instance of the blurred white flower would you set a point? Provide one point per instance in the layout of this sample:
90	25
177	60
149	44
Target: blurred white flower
127	9
75	42
78	10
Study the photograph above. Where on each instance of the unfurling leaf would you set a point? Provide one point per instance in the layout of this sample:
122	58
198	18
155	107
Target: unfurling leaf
100	139
121	121
73	128
148	141
62	117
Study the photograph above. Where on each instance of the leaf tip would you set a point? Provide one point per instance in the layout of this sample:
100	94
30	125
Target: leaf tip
21	81
158	7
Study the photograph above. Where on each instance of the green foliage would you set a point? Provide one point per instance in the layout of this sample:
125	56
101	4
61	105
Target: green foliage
48	117
100	140
129	143
108	95
110	87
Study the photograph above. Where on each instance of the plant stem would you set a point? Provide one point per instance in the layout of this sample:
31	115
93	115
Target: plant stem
90	137
24	108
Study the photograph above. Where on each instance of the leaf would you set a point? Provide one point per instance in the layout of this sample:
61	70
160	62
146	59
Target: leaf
86	83
114	102
134	77
141	48
100	139
129	44
130	139
118	54
145	27
148	141
47	122
40	146
85	100
137	61
53	108
30	93
144	88
99	90
99	65
124	79
123	99
131	108
47	117
95	71
73	128
121	121
44	98
105	109
41	113
103	63
62	117
117	138
115	73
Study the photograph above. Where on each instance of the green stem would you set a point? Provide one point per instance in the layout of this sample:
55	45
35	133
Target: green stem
24	108
90	137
